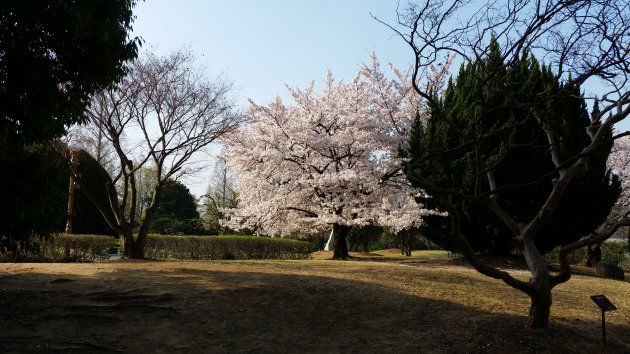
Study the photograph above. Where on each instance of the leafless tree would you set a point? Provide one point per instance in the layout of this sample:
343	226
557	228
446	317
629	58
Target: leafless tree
586	41
221	194
95	143
161	116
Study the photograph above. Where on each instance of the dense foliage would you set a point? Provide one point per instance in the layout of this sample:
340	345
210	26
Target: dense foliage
506	129
177	211
54	55
35	197
86	217
612	251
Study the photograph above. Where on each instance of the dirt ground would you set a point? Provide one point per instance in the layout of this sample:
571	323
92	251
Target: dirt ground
313	306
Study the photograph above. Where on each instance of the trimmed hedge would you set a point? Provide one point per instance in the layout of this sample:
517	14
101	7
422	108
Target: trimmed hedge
70	248
225	247
90	248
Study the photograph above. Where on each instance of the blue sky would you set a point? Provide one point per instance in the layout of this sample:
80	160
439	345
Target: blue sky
264	44
261	45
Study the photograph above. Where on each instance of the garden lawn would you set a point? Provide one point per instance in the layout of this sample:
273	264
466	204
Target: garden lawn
312	306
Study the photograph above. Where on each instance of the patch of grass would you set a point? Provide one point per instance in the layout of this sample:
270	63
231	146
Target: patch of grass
421	254
315	306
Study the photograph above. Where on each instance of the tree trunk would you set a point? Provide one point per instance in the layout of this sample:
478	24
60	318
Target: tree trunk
127	237
340	241
628	239
540	291
137	249
593	254
540	308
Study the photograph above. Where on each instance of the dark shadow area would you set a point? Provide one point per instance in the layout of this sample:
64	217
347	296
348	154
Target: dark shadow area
191	310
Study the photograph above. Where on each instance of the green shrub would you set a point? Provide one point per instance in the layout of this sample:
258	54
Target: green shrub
616	252
575	257
70	248
613	252
225	247
89	248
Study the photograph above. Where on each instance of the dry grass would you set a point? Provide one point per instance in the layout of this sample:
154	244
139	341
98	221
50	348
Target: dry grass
312	306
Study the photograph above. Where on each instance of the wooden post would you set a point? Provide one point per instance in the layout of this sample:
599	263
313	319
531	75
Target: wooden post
604	326
74	155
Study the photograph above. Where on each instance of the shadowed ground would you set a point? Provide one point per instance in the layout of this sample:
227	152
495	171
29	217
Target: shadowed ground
312	306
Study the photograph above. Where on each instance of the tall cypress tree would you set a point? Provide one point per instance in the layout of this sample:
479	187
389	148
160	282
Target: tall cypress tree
495	115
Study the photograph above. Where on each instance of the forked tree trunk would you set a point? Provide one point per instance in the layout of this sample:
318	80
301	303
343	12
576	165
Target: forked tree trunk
133	247
138	245
540	291
340	233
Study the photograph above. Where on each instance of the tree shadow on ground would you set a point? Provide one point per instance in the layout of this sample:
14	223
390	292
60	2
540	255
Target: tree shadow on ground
193	310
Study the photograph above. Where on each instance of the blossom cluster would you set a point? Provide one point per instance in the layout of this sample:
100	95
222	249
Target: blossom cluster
330	157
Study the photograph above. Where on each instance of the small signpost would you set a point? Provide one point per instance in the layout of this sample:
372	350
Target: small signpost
604	304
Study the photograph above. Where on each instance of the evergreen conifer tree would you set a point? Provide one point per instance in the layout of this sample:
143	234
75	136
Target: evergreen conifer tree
506	128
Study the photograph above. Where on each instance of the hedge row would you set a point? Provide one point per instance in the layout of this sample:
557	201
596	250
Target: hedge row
225	247
614	252
90	248
71	248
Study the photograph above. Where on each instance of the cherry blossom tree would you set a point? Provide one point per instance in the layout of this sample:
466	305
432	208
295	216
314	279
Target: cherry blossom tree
330	159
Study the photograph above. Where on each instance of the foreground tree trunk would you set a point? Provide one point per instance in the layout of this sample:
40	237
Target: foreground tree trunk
539	286
127	237
540	308
137	249
340	236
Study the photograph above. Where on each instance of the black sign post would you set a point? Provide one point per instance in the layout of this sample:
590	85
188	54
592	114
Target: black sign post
604	304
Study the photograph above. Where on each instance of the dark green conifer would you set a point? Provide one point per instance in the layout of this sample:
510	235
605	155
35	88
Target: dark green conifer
495	114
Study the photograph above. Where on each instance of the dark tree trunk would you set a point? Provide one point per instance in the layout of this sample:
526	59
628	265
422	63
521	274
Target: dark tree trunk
137	249
628	233
539	290
593	254
540	308
133	247
406	242
127	237
340	235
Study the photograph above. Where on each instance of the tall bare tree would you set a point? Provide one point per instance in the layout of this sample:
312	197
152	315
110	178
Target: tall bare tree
96	144
161	116
221	194
583	42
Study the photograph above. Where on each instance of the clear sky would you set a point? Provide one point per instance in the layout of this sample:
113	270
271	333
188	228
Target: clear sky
261	45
